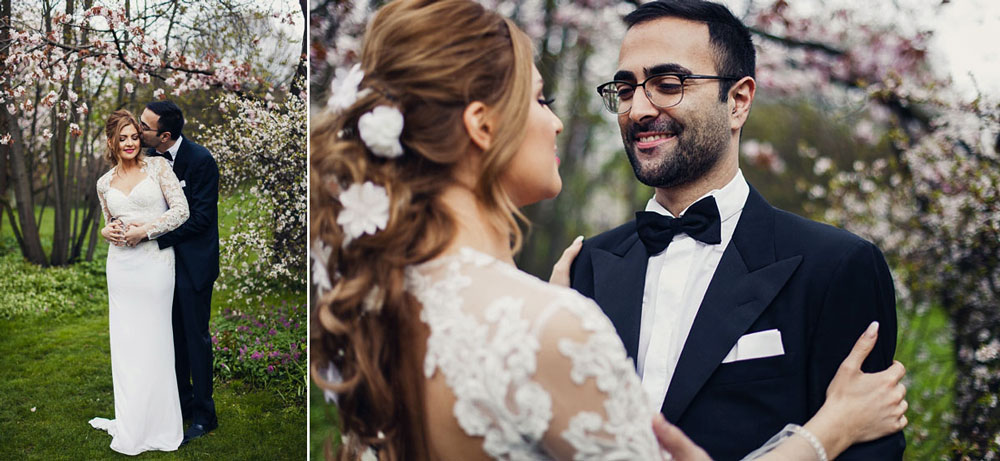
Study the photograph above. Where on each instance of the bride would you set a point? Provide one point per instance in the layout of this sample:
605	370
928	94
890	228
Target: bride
140	198
441	348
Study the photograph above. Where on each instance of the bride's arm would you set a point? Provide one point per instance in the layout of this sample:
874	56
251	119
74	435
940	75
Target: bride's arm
859	407
598	407
112	230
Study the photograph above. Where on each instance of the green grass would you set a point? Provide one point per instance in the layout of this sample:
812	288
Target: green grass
323	425
926	349
61	368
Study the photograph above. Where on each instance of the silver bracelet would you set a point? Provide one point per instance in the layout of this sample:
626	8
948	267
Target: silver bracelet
820	451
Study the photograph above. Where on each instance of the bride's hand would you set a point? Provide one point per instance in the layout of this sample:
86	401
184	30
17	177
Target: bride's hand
673	440
861	406
113	233
134	234
560	272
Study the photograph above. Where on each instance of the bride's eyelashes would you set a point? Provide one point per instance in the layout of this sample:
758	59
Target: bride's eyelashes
546	102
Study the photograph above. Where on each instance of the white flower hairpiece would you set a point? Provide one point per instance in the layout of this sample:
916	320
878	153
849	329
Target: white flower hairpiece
320	255
345	88
373	300
366	210
380	130
332	375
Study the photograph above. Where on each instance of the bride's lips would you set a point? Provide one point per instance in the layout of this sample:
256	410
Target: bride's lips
651	139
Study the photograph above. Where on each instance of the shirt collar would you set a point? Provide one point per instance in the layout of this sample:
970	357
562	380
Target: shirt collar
730	198
174	148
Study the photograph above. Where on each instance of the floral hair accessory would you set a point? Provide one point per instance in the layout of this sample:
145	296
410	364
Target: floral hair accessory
380	130
345	88
320	255
366	210
374	299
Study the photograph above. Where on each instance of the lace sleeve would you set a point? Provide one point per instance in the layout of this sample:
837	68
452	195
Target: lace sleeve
599	410
178	211
793	443
102	187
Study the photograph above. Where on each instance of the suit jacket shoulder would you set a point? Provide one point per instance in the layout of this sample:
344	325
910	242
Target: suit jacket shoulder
798	235
611	239
197	151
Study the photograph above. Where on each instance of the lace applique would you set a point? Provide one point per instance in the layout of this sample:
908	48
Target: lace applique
624	434
488	354
495	399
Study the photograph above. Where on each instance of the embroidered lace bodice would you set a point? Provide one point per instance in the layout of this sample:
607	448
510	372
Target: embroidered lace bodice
536	371
157	199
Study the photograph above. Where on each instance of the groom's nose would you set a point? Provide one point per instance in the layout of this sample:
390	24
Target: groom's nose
642	107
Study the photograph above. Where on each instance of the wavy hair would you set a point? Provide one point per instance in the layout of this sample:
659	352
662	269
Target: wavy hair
430	59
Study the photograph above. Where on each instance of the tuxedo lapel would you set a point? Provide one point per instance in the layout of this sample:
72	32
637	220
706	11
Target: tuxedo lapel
183	159
619	280
746	281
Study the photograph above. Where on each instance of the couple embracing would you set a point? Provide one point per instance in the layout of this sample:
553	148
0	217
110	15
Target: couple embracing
161	210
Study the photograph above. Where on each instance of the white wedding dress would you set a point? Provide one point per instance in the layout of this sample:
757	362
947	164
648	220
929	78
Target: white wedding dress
531	371
140	299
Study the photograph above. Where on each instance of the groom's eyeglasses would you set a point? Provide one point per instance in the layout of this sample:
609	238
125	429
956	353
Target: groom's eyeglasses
662	90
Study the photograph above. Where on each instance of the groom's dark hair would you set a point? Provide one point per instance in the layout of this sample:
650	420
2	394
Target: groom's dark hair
171	117
730	38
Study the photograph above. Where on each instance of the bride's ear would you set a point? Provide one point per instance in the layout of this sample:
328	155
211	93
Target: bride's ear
479	124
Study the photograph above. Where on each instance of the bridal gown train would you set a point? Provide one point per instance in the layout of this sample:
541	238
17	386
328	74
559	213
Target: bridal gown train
140	299
531	371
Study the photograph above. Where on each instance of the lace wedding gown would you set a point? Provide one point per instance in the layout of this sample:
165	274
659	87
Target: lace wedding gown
140	298
529	370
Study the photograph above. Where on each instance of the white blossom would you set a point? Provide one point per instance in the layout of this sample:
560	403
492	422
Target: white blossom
380	130
345	88
366	210
320	255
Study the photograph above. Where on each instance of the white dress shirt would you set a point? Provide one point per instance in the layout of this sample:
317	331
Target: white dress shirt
173	150
676	281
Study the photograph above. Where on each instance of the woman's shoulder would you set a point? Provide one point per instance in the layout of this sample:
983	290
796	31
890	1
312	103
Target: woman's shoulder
155	163
105	180
492	282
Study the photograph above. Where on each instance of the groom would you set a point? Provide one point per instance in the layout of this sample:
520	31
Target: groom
196	248
737	314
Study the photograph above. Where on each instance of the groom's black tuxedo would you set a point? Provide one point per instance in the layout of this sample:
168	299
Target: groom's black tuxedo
196	248
818	285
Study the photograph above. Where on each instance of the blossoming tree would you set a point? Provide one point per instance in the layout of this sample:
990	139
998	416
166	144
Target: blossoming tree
67	64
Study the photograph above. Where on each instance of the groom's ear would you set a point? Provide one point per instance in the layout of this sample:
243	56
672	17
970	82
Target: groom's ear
479	124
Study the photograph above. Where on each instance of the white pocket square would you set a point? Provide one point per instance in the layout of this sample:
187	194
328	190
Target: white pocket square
756	345
183	183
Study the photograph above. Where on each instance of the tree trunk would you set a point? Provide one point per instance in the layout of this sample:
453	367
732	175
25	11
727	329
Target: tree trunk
25	228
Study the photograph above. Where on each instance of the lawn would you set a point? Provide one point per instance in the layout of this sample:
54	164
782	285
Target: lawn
57	371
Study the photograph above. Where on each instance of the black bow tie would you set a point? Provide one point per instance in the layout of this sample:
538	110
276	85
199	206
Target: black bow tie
154	153
701	222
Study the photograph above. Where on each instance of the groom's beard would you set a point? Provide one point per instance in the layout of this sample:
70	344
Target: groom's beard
695	153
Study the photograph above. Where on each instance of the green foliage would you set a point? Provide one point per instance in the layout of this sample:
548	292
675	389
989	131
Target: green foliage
265	348
30	290
324	425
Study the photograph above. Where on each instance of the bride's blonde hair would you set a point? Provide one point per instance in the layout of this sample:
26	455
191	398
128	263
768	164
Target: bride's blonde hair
430	59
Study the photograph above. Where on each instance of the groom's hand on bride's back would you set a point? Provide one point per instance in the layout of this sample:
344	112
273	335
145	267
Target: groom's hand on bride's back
560	272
